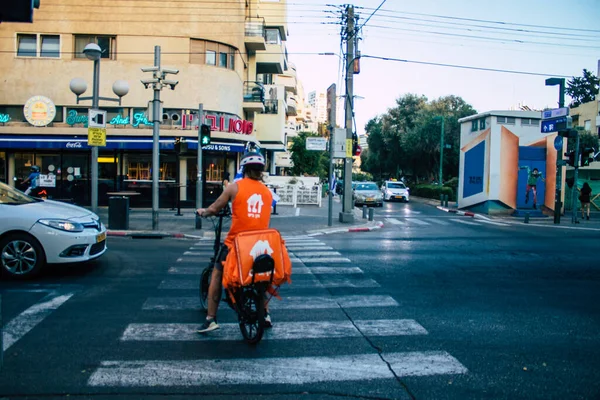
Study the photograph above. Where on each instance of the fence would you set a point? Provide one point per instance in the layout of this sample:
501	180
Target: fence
294	195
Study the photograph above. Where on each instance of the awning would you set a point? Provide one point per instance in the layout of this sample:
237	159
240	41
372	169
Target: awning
272	146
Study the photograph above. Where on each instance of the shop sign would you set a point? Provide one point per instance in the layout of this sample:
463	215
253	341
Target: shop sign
4	118
39	111
47	180
218	147
219	123
97	137
73	118
74	145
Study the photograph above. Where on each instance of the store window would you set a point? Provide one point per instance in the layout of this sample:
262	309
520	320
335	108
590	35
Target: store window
3	177
139	168
107	44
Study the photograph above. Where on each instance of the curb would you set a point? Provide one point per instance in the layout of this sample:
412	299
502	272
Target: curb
459	212
151	234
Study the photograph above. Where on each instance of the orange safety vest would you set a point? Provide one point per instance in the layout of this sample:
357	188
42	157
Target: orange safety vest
251	208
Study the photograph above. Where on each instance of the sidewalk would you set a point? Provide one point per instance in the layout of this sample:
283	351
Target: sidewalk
301	220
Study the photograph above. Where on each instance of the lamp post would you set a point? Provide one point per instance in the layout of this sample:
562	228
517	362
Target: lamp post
78	86
557	194
441	150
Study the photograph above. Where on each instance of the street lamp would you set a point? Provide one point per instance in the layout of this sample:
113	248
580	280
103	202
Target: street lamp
557	192
441	149
78	86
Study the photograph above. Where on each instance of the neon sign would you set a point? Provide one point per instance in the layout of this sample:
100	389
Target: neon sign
73	118
4	118
139	118
217	123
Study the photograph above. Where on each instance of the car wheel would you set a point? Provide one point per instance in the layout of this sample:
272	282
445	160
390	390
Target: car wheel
21	256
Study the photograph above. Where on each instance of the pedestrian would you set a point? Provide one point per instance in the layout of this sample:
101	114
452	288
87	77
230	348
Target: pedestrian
532	178
32	178
584	198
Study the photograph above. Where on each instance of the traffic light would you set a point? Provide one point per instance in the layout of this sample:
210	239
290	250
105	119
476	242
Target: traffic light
205	134
18	10
587	156
570	158
356	149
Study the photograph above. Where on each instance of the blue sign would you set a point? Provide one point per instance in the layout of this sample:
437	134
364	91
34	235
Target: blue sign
551	125
474	170
555	113
4	118
558	143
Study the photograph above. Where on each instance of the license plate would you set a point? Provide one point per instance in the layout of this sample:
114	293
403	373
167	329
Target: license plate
400	197
101	237
370	199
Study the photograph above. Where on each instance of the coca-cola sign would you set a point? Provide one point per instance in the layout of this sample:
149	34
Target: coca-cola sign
74	145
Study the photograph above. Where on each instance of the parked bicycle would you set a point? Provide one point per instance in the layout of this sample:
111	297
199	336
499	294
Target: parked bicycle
247	301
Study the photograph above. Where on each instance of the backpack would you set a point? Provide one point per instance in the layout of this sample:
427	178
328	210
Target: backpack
247	246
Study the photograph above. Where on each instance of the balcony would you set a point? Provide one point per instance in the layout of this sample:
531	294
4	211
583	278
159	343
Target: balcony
292	105
254	97
254	37
288	80
271	61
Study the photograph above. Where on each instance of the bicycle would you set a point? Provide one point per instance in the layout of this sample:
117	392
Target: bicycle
247	301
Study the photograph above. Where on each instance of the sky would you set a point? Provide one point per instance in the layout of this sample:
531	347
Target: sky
438	31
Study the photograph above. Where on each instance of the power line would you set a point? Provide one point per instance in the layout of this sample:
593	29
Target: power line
464	66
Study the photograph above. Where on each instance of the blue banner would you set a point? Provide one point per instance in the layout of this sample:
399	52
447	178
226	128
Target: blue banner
473	171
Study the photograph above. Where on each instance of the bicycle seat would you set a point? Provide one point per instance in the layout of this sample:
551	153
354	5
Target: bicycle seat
263	263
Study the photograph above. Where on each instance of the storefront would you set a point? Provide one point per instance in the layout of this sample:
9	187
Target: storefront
124	164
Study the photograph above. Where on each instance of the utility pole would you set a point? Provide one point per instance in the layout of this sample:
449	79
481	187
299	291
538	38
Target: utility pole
347	215
558	186
442	153
157	83
200	167
575	176
331	116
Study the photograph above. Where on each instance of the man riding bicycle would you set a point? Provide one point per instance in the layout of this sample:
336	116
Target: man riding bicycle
251	210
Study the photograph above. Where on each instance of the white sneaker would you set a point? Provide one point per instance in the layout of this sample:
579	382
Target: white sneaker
209	325
268	323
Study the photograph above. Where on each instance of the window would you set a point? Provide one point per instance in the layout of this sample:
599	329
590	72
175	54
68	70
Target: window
212	53
232	60
29	43
506	120
107	45
223	60
587	125
272	36
211	57
482	123
511	120
501	120
474	125
530	121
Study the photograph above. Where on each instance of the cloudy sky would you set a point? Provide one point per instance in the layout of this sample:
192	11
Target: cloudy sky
548	37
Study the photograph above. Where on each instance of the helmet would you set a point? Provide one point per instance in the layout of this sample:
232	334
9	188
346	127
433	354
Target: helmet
35	168
254	158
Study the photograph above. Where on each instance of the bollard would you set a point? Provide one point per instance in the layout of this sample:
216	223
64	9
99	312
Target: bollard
198	222
371	212
526	217
365	208
441	200
179	214
445	200
275	205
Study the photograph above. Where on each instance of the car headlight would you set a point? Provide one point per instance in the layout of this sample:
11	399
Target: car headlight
388	192
62	224
378	196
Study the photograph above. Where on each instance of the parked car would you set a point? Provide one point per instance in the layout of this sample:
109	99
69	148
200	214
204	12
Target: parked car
367	193
394	190
36	232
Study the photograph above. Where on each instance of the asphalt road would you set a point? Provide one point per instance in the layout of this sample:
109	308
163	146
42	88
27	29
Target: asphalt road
432	306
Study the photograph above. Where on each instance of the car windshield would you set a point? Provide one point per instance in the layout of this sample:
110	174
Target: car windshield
396	185
12	196
366	186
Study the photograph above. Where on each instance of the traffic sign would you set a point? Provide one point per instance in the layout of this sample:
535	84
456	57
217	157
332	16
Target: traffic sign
555	113
97	119
558	143
97	137
316	143
553	125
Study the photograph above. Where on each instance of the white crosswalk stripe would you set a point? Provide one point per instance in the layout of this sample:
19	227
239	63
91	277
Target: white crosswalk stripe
317	267
463	221
485	221
393	221
416	221
438	221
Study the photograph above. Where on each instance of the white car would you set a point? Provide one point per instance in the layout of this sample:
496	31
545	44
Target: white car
393	190
35	232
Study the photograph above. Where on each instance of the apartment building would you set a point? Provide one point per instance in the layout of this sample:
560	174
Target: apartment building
232	59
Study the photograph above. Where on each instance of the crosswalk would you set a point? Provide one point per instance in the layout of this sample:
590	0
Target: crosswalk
319	271
423	221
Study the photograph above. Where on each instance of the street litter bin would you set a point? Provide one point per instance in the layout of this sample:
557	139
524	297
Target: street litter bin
118	212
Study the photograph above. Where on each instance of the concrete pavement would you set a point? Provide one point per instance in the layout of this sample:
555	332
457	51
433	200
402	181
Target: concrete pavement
304	219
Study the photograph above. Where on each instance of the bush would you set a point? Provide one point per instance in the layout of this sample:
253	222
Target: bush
432	191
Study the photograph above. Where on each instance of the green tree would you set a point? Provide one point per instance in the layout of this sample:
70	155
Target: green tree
309	162
583	89
586	139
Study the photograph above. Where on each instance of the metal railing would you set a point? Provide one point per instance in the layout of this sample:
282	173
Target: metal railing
271	107
255	26
254	91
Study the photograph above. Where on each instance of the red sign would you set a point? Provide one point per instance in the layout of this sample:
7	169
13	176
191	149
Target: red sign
218	123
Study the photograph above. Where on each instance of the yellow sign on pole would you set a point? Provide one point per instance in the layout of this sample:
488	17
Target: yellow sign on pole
348	148
97	137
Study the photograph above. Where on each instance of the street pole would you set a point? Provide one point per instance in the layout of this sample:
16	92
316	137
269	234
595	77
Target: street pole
575	176
559	156
95	105
199	187
346	215
331	96
442	152
155	143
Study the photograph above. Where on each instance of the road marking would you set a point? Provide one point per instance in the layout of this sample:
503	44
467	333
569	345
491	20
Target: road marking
438	221
28	319
186	284
297	211
333	270
274	371
317	254
287	302
316	245
485	221
199	253
284	330
338	282
416	221
326	260
393	221
462	221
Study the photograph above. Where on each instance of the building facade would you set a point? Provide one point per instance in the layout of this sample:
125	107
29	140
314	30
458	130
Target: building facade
232	61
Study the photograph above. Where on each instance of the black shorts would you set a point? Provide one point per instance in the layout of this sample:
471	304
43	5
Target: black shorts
221	256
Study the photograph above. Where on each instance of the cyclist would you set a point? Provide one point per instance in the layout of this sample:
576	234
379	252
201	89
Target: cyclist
32	179
251	210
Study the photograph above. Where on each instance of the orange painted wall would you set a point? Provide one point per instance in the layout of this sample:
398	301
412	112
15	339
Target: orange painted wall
509	167
551	156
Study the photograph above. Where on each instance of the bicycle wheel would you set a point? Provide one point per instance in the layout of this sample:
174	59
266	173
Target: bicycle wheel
252	315
205	278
